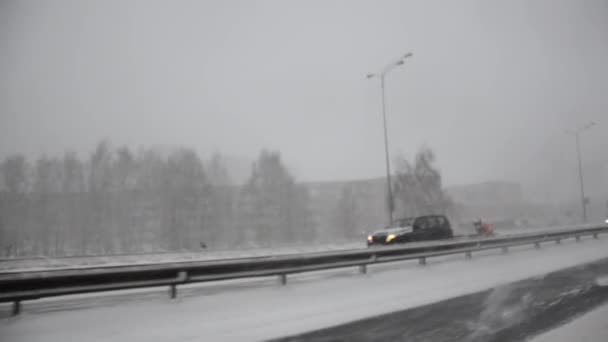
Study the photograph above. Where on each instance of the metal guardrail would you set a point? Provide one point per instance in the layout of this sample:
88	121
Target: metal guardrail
16	287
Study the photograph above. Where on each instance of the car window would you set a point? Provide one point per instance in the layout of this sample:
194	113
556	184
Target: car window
422	223
432	222
441	221
401	222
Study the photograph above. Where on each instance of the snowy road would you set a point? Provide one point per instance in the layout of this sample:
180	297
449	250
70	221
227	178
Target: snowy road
265	312
76	262
512	312
591	327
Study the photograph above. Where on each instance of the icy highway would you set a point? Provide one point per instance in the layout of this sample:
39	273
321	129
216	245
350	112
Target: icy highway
253	310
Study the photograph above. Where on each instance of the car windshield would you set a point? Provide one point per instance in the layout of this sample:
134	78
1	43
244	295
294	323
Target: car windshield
402	222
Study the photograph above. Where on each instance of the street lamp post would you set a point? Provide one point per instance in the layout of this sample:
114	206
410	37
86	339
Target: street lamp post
576	134
382	74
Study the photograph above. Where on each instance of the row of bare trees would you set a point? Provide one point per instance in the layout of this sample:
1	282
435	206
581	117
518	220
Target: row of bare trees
124	201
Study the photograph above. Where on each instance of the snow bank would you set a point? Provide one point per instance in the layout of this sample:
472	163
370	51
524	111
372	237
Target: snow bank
41	264
260	313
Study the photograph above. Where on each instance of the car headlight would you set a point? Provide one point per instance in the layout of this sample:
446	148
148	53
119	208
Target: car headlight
606	220
390	237
370	238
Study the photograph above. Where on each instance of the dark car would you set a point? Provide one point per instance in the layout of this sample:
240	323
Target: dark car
420	228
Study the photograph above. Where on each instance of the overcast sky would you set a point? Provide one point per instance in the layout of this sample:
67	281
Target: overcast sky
491	87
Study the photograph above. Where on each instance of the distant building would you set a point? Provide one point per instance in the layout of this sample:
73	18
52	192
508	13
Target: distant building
489	201
344	209
348	208
498	193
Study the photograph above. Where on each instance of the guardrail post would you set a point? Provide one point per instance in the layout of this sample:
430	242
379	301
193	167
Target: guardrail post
578	238
558	241
468	255
283	279
537	245
505	249
16	308
595	235
182	277
422	261
363	269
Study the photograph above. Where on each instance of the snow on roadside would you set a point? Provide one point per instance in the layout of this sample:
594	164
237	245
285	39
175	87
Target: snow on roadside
262	313
41	264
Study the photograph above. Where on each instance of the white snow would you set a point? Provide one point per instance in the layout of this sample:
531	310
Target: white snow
42	263
590	327
305	304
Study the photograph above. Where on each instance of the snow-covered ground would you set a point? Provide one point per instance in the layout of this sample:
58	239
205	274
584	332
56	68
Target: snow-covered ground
41	263
264	312
34	264
591	327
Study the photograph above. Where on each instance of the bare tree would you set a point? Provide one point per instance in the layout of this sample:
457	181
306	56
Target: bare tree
149	178
218	218
74	200
418	186
73	174
272	208
184	186
46	228
216	171
124	204
98	232
14	205
14	171
120	201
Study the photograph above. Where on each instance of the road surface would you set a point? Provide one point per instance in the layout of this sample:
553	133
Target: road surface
511	312
590	327
308	302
